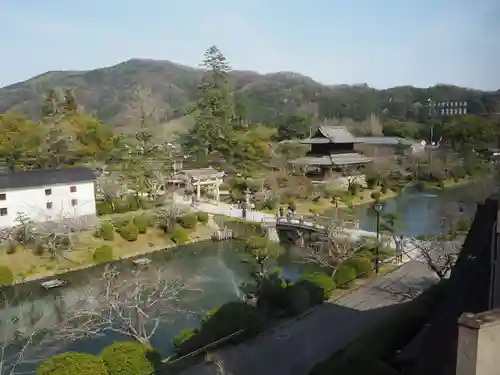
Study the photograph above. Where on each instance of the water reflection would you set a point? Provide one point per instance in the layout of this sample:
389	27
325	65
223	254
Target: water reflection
419	213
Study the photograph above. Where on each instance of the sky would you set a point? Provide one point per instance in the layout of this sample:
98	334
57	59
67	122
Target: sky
382	43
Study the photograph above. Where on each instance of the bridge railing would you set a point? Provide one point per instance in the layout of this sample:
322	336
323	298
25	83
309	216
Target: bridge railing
317	222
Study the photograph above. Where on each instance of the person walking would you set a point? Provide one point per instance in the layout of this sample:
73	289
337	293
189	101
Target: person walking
282	212
399	250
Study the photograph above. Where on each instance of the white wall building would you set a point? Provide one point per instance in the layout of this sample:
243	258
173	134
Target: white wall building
47	195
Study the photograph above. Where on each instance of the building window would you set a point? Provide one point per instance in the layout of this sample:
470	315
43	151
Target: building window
72	189
3	197
3	212
48	191
48	205
74	202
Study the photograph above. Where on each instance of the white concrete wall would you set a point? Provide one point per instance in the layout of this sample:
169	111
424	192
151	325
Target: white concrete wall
32	202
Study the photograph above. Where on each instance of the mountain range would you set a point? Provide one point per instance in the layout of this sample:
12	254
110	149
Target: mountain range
163	89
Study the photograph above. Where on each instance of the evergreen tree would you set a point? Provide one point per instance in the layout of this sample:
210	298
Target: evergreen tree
213	111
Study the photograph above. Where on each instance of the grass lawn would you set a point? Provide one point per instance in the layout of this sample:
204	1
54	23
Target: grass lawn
447	184
324	204
27	266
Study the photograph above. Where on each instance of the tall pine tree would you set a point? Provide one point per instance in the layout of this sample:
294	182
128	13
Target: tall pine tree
213	111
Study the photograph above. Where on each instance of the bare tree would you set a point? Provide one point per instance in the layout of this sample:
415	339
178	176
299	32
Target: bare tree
111	185
440	251
339	247
57	234
25	337
134	305
351	175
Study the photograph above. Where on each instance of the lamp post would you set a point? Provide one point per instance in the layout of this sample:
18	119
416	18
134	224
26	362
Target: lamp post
377	207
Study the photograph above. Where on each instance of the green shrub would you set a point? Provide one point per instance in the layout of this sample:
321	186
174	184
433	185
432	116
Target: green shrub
256	242
72	363
141	222
128	358
270	203
103	208
371	182
202	217
183	336
362	266
354	189
229	318
121	206
375	195
298	298
344	276
39	249
322	281
107	231
103	254
208	315
6	276
133	203
129	232
179	235
384	189
11	247
188	221
458	172
292	205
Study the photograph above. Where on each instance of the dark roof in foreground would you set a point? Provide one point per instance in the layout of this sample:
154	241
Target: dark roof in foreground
469	292
44	177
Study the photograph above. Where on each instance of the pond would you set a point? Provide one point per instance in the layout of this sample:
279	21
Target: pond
212	271
418	212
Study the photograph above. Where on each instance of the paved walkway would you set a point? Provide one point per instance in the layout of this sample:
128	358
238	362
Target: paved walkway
294	349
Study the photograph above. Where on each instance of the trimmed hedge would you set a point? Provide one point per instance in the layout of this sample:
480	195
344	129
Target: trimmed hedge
107	231
188	221
129	231
344	276
141	222
128	358
179	235
322	281
202	217
72	363
103	254
6	276
362	266
229	318
103	208
184	336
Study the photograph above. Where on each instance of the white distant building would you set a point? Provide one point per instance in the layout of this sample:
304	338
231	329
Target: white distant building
47	195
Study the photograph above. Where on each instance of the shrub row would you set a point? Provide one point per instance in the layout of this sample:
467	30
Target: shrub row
219	323
119	206
120	358
6	276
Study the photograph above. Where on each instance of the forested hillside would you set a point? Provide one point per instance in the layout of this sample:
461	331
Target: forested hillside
119	94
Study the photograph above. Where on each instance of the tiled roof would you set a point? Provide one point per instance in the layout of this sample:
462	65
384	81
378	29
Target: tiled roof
334	159
337	134
386	141
44	177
